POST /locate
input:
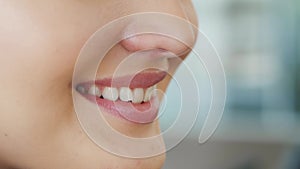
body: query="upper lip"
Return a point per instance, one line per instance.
(144, 79)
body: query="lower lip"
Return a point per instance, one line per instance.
(137, 113)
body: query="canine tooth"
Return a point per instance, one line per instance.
(110, 93)
(149, 93)
(80, 89)
(138, 95)
(125, 94)
(94, 90)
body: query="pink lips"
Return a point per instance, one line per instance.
(144, 112)
(144, 79)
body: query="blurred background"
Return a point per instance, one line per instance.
(259, 45)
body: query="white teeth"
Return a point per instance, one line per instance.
(94, 90)
(138, 95)
(125, 94)
(110, 93)
(149, 92)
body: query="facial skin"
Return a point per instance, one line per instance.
(40, 42)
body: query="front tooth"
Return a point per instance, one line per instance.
(125, 94)
(138, 95)
(148, 94)
(94, 90)
(110, 93)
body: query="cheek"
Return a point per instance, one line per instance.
(36, 68)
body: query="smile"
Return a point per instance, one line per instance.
(132, 98)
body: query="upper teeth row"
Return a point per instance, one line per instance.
(137, 95)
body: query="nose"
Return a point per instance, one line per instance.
(155, 41)
(161, 32)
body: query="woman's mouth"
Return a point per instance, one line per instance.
(132, 98)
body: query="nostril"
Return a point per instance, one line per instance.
(154, 41)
